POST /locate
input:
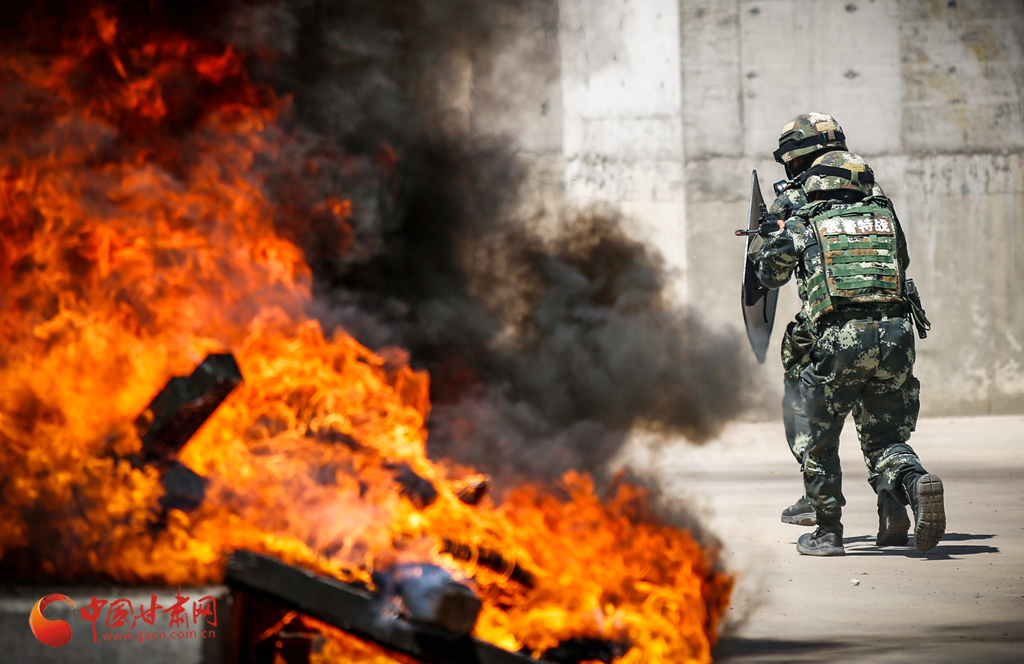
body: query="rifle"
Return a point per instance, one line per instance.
(764, 226)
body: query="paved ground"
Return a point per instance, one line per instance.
(961, 602)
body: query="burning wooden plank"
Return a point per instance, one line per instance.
(360, 613)
(492, 560)
(172, 418)
(185, 403)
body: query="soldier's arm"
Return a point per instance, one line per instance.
(780, 254)
(903, 255)
(784, 204)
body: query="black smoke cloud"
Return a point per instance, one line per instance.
(545, 348)
(547, 340)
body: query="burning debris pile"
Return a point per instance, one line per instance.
(164, 199)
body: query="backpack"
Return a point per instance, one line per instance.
(858, 258)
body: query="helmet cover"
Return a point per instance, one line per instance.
(808, 133)
(838, 170)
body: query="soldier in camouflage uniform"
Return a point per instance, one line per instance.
(804, 139)
(850, 257)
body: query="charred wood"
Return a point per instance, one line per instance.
(288, 647)
(183, 405)
(360, 613)
(474, 489)
(184, 489)
(255, 621)
(417, 489)
(586, 649)
(333, 436)
(492, 560)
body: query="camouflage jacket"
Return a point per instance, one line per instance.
(783, 252)
(789, 201)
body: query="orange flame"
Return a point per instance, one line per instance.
(130, 249)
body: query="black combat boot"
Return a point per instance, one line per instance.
(893, 522)
(799, 513)
(924, 490)
(827, 540)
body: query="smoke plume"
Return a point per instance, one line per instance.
(545, 349)
(547, 341)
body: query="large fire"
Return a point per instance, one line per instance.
(129, 250)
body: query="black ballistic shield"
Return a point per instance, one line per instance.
(758, 302)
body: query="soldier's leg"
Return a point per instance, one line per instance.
(796, 345)
(891, 406)
(831, 386)
(822, 471)
(893, 523)
(842, 360)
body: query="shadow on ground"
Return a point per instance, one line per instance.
(864, 545)
(996, 643)
(772, 650)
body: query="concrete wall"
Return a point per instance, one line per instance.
(663, 107)
(622, 123)
(516, 92)
(931, 93)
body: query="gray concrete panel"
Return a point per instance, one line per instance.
(820, 55)
(619, 60)
(964, 219)
(517, 89)
(622, 132)
(712, 109)
(944, 145)
(963, 67)
(655, 137)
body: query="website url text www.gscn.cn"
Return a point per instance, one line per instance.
(139, 637)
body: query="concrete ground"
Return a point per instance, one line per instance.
(961, 602)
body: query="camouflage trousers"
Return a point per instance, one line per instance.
(863, 366)
(796, 355)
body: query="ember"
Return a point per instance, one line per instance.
(136, 240)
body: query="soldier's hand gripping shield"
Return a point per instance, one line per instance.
(757, 301)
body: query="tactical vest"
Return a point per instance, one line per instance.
(858, 258)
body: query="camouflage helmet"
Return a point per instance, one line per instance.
(838, 170)
(809, 133)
